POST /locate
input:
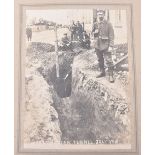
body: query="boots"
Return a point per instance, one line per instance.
(110, 74)
(111, 78)
(102, 74)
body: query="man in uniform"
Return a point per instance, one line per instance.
(65, 42)
(86, 40)
(104, 41)
(73, 31)
(79, 30)
(29, 33)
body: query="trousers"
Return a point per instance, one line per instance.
(104, 59)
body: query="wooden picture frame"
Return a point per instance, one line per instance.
(133, 38)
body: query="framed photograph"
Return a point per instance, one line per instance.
(77, 77)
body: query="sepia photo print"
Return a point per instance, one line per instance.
(77, 78)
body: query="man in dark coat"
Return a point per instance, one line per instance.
(66, 43)
(79, 30)
(29, 33)
(86, 40)
(104, 41)
(73, 31)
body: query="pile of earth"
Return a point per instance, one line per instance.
(41, 123)
(102, 109)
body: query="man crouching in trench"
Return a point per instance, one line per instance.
(104, 41)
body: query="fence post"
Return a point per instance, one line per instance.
(56, 53)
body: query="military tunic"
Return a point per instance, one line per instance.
(104, 35)
(79, 31)
(66, 44)
(73, 32)
(104, 38)
(65, 40)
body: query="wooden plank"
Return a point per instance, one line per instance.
(120, 60)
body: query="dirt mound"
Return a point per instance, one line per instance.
(43, 47)
(41, 123)
(103, 108)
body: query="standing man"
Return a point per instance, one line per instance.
(29, 33)
(79, 30)
(104, 41)
(73, 31)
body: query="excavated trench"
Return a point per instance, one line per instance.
(75, 116)
(84, 117)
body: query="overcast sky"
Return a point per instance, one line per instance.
(62, 16)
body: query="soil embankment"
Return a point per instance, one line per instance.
(95, 110)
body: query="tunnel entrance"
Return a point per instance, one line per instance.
(63, 85)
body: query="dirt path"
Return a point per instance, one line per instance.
(48, 36)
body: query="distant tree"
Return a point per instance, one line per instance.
(41, 20)
(52, 23)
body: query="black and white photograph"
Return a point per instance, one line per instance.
(77, 79)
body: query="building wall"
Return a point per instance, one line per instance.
(36, 28)
(119, 22)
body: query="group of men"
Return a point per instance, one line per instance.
(67, 43)
(76, 30)
(77, 34)
(103, 34)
